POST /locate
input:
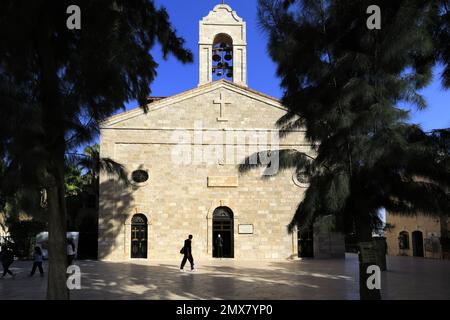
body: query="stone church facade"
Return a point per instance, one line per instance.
(183, 157)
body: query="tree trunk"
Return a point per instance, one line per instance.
(53, 122)
(364, 235)
(57, 287)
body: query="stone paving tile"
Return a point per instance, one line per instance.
(407, 278)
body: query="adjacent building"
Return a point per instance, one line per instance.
(418, 236)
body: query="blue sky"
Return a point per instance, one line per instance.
(174, 77)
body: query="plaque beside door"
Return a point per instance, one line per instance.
(245, 229)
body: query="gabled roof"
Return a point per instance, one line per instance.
(165, 102)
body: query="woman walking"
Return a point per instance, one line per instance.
(37, 262)
(70, 252)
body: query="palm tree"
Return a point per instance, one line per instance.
(93, 165)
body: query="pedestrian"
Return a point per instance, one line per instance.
(7, 258)
(187, 251)
(37, 261)
(70, 252)
(219, 246)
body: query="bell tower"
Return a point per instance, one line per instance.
(222, 46)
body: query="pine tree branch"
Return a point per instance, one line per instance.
(332, 64)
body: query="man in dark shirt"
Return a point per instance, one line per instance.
(219, 246)
(7, 258)
(187, 250)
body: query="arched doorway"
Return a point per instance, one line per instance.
(417, 243)
(305, 240)
(223, 224)
(139, 236)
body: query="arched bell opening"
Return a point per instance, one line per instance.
(222, 57)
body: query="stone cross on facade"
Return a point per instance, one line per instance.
(222, 103)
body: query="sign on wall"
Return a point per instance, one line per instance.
(368, 252)
(245, 229)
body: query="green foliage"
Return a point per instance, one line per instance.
(343, 83)
(57, 84)
(442, 34)
(73, 181)
(95, 71)
(92, 165)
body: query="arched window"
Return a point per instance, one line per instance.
(222, 64)
(223, 213)
(139, 239)
(403, 240)
(139, 219)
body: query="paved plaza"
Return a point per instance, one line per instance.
(407, 278)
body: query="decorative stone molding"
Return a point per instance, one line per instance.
(297, 182)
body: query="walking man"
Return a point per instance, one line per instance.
(219, 246)
(187, 251)
(7, 258)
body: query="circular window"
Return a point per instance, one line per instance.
(139, 176)
(301, 179)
